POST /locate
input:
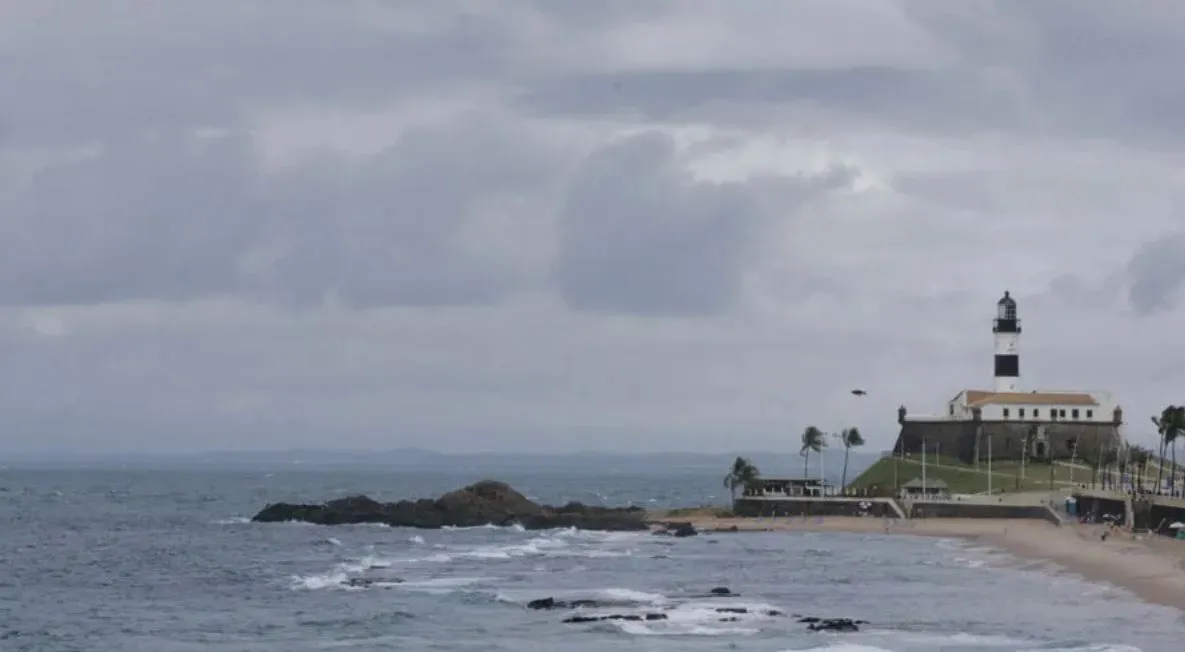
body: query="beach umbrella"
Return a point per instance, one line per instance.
(1177, 526)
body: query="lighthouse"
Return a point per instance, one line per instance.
(1007, 330)
(997, 423)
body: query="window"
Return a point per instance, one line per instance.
(952, 409)
(1089, 414)
(1005, 413)
(1074, 413)
(1036, 413)
(1020, 412)
(1061, 413)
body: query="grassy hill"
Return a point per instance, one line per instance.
(889, 472)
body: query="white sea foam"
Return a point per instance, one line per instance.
(561, 543)
(843, 647)
(611, 594)
(335, 579)
(443, 585)
(703, 618)
(416, 539)
(955, 640)
(1099, 647)
(232, 520)
(516, 527)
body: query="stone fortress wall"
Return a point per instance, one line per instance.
(968, 438)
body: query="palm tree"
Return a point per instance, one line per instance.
(1139, 456)
(742, 475)
(1169, 425)
(813, 439)
(851, 438)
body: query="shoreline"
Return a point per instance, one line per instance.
(1150, 567)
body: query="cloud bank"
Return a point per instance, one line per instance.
(567, 225)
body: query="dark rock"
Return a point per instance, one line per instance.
(581, 603)
(745, 610)
(599, 618)
(721, 590)
(367, 582)
(834, 625)
(543, 603)
(682, 529)
(482, 503)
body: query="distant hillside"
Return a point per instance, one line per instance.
(771, 464)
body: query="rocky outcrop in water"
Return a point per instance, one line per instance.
(369, 582)
(548, 604)
(483, 503)
(832, 624)
(634, 610)
(676, 529)
(633, 617)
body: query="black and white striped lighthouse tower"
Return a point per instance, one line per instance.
(1007, 329)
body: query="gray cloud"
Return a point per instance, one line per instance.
(157, 216)
(178, 216)
(385, 230)
(181, 65)
(1156, 273)
(672, 224)
(641, 236)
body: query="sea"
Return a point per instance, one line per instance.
(166, 560)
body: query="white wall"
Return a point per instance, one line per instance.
(1101, 413)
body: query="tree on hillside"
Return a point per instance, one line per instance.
(814, 440)
(741, 476)
(1026, 444)
(1108, 460)
(851, 438)
(1138, 457)
(1169, 425)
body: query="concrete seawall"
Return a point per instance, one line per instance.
(949, 509)
(837, 506)
(757, 507)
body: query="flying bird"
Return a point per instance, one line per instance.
(859, 392)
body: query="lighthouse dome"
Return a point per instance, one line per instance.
(1006, 307)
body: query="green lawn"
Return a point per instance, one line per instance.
(963, 478)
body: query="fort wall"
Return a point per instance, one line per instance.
(968, 439)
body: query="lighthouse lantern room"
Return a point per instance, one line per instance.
(1007, 329)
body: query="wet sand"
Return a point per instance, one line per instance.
(1153, 568)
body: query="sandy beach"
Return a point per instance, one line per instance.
(1152, 568)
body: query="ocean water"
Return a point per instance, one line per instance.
(166, 561)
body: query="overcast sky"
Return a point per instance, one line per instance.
(571, 224)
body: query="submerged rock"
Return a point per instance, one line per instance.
(832, 624)
(367, 582)
(482, 503)
(548, 604)
(681, 529)
(600, 617)
(746, 610)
